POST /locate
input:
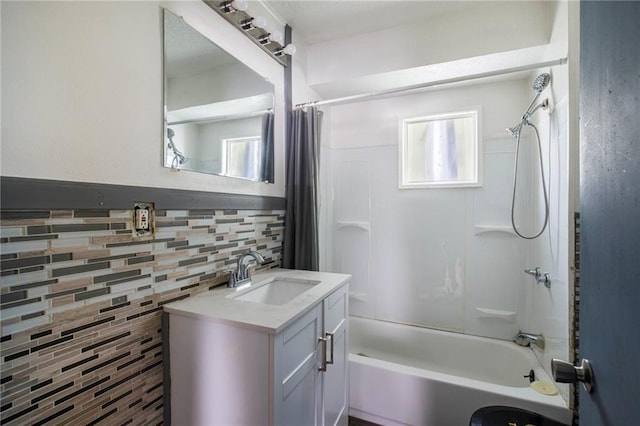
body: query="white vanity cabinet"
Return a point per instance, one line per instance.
(225, 373)
(335, 391)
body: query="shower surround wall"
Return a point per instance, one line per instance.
(445, 258)
(550, 306)
(82, 302)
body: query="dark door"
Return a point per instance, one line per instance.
(610, 210)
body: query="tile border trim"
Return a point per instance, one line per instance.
(43, 194)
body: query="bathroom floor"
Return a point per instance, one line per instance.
(354, 421)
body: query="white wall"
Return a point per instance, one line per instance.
(486, 28)
(421, 256)
(82, 93)
(301, 91)
(550, 306)
(553, 251)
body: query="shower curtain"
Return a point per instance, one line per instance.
(301, 220)
(266, 161)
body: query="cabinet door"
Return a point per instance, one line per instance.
(296, 371)
(336, 378)
(219, 373)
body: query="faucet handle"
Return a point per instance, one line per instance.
(535, 272)
(541, 278)
(233, 278)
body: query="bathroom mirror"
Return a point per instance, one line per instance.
(218, 111)
(440, 151)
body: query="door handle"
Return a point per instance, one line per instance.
(565, 372)
(323, 365)
(330, 336)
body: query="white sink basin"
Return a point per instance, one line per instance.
(275, 291)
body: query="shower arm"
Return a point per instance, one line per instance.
(173, 147)
(544, 105)
(528, 110)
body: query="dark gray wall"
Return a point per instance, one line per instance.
(40, 194)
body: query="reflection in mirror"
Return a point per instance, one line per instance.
(218, 112)
(440, 151)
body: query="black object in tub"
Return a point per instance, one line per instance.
(501, 415)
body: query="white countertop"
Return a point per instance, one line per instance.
(216, 306)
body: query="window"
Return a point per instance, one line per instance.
(241, 157)
(440, 151)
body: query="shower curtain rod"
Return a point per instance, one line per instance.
(356, 98)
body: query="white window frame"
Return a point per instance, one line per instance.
(225, 154)
(476, 181)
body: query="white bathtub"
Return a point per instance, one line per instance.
(404, 375)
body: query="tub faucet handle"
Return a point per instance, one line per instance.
(541, 278)
(533, 272)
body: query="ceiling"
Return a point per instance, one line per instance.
(318, 21)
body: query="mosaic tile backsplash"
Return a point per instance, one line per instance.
(81, 305)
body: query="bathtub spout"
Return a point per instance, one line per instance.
(526, 339)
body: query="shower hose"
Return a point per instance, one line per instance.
(515, 183)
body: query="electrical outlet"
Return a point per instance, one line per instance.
(143, 219)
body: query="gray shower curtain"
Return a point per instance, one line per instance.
(266, 163)
(301, 220)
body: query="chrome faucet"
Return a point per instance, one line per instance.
(242, 273)
(541, 278)
(526, 339)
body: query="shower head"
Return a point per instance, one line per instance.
(178, 157)
(541, 82)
